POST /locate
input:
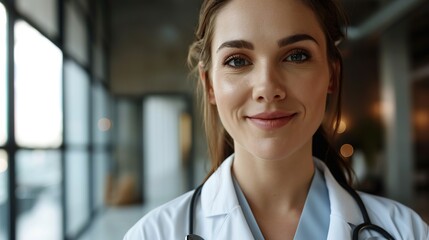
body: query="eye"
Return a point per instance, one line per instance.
(298, 56)
(236, 61)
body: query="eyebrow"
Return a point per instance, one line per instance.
(281, 43)
(236, 44)
(295, 38)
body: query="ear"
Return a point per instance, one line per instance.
(335, 77)
(207, 85)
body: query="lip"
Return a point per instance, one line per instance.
(271, 120)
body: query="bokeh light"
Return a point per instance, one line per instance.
(347, 150)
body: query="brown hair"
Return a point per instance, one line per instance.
(332, 21)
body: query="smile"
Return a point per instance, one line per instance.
(271, 120)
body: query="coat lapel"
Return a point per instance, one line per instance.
(220, 205)
(234, 226)
(344, 210)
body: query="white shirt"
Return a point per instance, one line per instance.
(218, 215)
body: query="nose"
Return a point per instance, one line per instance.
(269, 84)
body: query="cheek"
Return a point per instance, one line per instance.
(313, 92)
(224, 89)
(228, 91)
(230, 98)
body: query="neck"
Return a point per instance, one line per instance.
(280, 185)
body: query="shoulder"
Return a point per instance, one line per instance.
(167, 221)
(401, 220)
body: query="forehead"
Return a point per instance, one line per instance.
(255, 20)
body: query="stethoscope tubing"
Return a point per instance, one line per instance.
(367, 224)
(192, 207)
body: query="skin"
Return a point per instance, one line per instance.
(269, 79)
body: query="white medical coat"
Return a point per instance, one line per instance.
(218, 215)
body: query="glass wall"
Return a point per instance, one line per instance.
(102, 121)
(77, 104)
(3, 126)
(77, 179)
(38, 89)
(99, 65)
(38, 192)
(76, 43)
(99, 59)
(102, 129)
(60, 146)
(3, 195)
(101, 160)
(3, 85)
(42, 12)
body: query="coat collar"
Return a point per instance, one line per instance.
(218, 198)
(343, 204)
(218, 195)
(344, 209)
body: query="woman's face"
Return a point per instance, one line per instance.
(270, 76)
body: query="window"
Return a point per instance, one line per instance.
(3, 85)
(38, 94)
(103, 122)
(102, 128)
(41, 12)
(77, 179)
(98, 46)
(77, 104)
(76, 38)
(101, 163)
(3, 195)
(39, 195)
(99, 64)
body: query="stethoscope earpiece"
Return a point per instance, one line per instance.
(193, 237)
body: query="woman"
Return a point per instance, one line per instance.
(267, 69)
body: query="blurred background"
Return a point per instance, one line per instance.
(99, 123)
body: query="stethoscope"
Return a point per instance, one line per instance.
(366, 225)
